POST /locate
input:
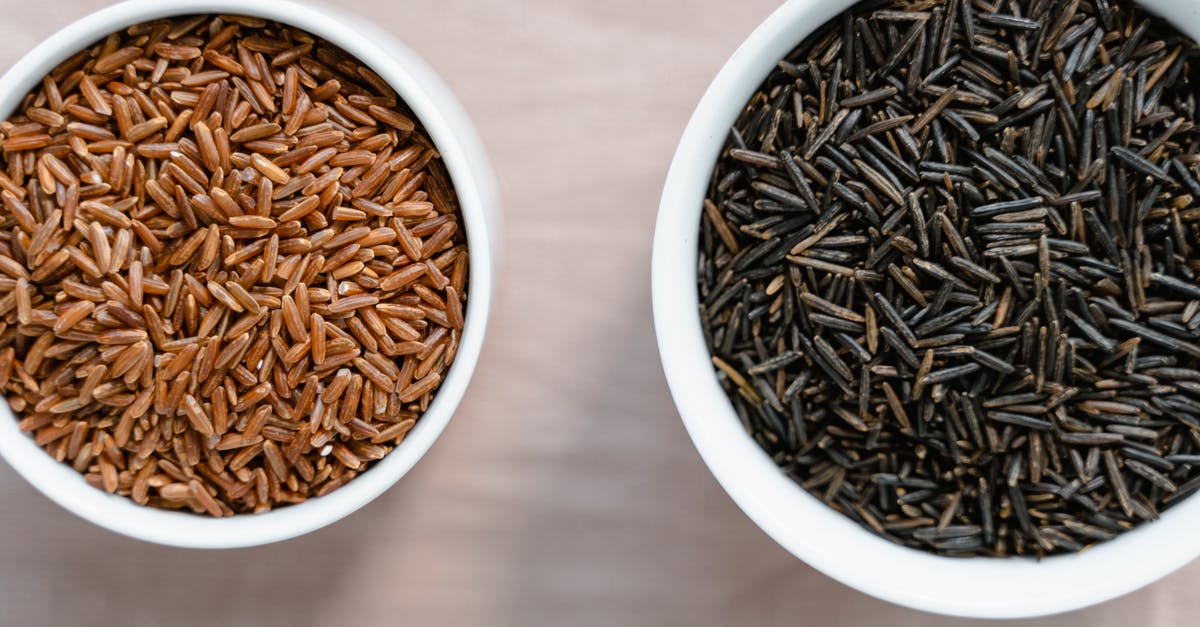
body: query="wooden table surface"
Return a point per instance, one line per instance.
(565, 491)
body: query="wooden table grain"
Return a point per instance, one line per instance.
(565, 491)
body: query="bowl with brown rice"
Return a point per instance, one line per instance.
(238, 243)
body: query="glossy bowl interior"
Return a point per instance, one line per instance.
(825, 539)
(447, 124)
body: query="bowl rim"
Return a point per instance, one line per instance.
(462, 151)
(832, 543)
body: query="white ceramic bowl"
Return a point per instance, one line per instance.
(463, 154)
(827, 540)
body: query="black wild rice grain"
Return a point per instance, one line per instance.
(949, 268)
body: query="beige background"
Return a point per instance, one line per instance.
(565, 491)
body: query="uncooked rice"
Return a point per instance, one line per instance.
(232, 270)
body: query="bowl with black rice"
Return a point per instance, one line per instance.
(925, 290)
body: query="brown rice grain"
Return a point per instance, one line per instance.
(276, 309)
